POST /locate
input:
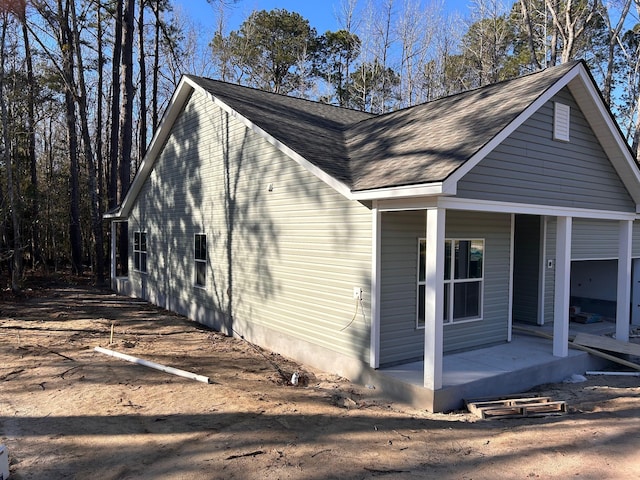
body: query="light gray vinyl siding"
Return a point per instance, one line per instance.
(285, 250)
(400, 340)
(636, 239)
(590, 240)
(530, 167)
(549, 273)
(594, 239)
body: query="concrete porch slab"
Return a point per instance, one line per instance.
(509, 368)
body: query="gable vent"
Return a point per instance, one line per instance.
(561, 122)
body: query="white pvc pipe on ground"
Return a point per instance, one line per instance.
(620, 374)
(150, 364)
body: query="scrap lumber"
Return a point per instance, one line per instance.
(613, 374)
(590, 350)
(606, 356)
(517, 407)
(607, 343)
(531, 331)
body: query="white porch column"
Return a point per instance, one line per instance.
(562, 288)
(376, 255)
(625, 237)
(113, 255)
(433, 298)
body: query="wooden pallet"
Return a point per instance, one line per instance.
(516, 407)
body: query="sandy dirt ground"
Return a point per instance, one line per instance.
(69, 412)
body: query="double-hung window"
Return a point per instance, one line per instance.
(200, 258)
(463, 280)
(140, 251)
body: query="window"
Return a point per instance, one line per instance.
(140, 251)
(200, 257)
(463, 280)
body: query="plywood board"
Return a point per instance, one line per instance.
(607, 343)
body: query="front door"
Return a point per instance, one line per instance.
(526, 269)
(635, 292)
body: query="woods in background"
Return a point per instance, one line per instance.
(83, 84)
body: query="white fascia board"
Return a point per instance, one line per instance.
(621, 157)
(404, 204)
(116, 215)
(409, 191)
(303, 162)
(180, 96)
(509, 129)
(531, 209)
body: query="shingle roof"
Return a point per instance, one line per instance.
(312, 129)
(416, 145)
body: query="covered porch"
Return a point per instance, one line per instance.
(524, 363)
(519, 362)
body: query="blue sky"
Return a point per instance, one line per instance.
(321, 14)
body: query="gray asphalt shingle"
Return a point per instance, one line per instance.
(417, 145)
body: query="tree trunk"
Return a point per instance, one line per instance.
(112, 190)
(142, 142)
(126, 105)
(100, 127)
(67, 47)
(614, 38)
(126, 117)
(36, 255)
(156, 66)
(16, 270)
(526, 17)
(96, 213)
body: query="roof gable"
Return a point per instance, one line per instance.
(313, 130)
(421, 150)
(531, 166)
(428, 142)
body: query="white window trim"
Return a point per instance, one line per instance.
(196, 261)
(146, 252)
(452, 282)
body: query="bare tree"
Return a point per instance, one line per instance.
(142, 127)
(486, 42)
(527, 17)
(614, 40)
(16, 253)
(31, 132)
(570, 20)
(112, 189)
(96, 206)
(415, 29)
(125, 141)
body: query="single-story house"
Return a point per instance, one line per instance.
(351, 241)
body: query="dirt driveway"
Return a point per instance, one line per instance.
(67, 411)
